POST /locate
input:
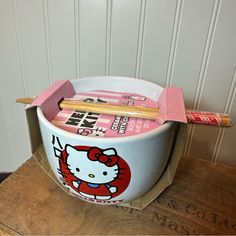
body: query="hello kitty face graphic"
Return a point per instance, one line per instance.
(93, 166)
(94, 173)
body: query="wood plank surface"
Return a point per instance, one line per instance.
(200, 201)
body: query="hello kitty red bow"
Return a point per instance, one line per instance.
(96, 154)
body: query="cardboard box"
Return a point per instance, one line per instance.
(164, 181)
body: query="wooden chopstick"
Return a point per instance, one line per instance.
(104, 108)
(194, 117)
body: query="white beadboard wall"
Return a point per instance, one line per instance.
(185, 43)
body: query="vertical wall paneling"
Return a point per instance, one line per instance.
(92, 25)
(18, 43)
(14, 143)
(159, 21)
(4, 144)
(60, 28)
(32, 35)
(124, 36)
(225, 148)
(139, 54)
(202, 74)
(174, 41)
(215, 98)
(189, 50)
(47, 40)
(108, 37)
(192, 36)
(76, 38)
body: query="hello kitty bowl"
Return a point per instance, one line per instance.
(114, 159)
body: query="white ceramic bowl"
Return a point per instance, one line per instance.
(124, 167)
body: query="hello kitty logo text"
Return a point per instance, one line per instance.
(95, 174)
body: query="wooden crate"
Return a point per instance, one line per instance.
(202, 200)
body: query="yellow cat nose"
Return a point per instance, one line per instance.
(91, 175)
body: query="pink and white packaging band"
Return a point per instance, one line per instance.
(48, 100)
(207, 118)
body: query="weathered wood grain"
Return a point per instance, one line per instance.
(200, 201)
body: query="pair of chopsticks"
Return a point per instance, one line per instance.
(138, 111)
(104, 108)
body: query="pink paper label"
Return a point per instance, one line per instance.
(100, 125)
(207, 118)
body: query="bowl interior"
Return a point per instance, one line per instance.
(118, 84)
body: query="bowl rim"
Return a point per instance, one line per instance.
(144, 135)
